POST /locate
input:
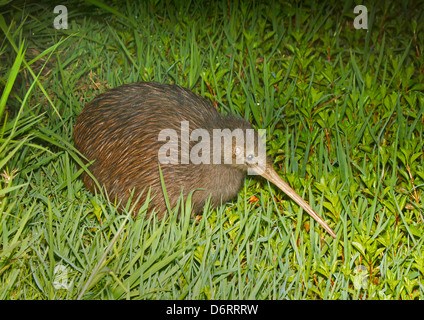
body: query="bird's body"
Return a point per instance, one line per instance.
(121, 130)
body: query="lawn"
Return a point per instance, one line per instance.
(343, 109)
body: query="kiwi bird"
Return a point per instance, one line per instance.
(131, 130)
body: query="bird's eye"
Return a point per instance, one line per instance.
(249, 157)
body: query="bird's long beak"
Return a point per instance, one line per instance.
(272, 176)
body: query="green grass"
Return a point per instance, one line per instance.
(344, 113)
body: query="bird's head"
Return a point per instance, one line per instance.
(248, 153)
